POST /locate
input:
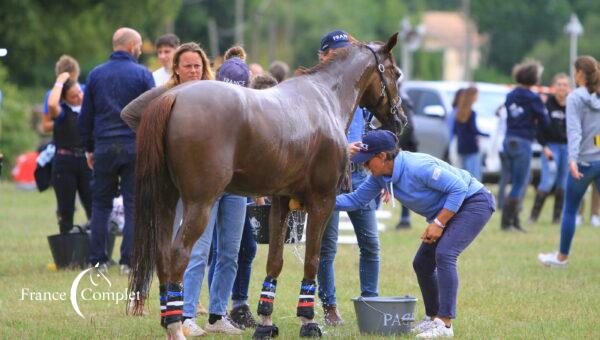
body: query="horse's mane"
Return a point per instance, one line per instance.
(337, 54)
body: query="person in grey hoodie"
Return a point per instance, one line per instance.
(583, 136)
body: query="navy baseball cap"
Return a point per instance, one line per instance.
(334, 39)
(234, 71)
(375, 142)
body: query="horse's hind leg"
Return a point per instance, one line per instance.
(318, 211)
(194, 222)
(164, 237)
(277, 231)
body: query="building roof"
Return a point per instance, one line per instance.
(448, 29)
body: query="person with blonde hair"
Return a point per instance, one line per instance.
(189, 63)
(583, 139)
(466, 131)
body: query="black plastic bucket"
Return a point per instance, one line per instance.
(70, 250)
(259, 220)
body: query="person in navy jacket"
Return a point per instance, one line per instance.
(109, 143)
(525, 111)
(455, 204)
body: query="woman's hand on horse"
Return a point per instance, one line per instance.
(432, 233)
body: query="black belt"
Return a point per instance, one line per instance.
(71, 152)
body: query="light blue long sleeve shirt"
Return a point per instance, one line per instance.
(422, 183)
(357, 126)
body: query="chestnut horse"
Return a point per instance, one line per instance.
(204, 138)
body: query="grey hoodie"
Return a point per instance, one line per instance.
(583, 124)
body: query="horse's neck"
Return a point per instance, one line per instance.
(344, 85)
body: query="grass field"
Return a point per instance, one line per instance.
(504, 292)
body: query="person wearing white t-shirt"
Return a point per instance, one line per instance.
(165, 47)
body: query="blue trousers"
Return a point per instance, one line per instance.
(435, 264)
(227, 221)
(246, 255)
(555, 171)
(365, 227)
(518, 156)
(472, 163)
(573, 196)
(114, 170)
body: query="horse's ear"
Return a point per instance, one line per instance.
(390, 44)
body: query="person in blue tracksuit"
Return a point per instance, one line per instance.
(109, 143)
(455, 204)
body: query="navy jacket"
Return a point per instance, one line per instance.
(556, 131)
(525, 111)
(109, 88)
(466, 135)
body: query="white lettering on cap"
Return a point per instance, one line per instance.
(340, 37)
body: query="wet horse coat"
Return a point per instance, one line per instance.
(204, 138)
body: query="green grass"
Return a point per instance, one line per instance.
(504, 292)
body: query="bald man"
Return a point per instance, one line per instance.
(109, 142)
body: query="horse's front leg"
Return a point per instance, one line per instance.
(277, 232)
(318, 211)
(194, 222)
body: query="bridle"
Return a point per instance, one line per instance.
(395, 104)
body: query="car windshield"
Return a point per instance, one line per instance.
(487, 103)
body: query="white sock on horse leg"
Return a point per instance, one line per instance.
(266, 320)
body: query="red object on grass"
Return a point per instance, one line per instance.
(23, 171)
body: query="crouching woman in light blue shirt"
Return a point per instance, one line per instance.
(456, 206)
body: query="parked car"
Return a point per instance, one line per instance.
(432, 101)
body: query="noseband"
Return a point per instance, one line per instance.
(385, 92)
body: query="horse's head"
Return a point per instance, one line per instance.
(382, 92)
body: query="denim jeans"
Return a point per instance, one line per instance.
(472, 163)
(114, 169)
(246, 255)
(555, 171)
(518, 155)
(227, 221)
(574, 194)
(365, 227)
(504, 180)
(435, 263)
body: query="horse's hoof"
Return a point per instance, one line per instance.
(310, 330)
(265, 332)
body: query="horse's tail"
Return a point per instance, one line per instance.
(153, 186)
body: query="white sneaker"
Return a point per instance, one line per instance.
(424, 325)
(595, 221)
(190, 328)
(223, 326)
(438, 330)
(578, 220)
(551, 260)
(125, 270)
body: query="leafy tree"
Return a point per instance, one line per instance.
(37, 32)
(514, 26)
(16, 134)
(554, 55)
